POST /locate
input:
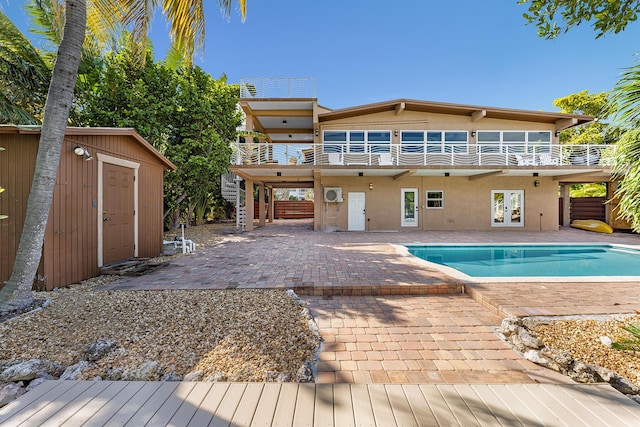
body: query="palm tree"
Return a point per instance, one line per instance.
(186, 18)
(625, 99)
(25, 73)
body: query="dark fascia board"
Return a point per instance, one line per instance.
(89, 131)
(454, 109)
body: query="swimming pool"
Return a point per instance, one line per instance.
(512, 261)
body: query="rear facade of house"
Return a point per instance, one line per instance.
(410, 165)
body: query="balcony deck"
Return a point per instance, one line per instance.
(285, 155)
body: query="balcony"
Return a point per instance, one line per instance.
(386, 155)
(278, 88)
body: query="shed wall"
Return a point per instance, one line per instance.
(70, 246)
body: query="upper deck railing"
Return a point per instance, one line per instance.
(421, 155)
(278, 88)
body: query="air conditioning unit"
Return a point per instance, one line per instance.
(333, 194)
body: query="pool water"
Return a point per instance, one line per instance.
(534, 260)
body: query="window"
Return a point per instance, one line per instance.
(455, 142)
(334, 141)
(356, 141)
(435, 199)
(513, 141)
(379, 141)
(538, 142)
(412, 141)
(447, 141)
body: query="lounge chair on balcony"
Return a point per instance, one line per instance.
(385, 159)
(334, 158)
(525, 161)
(547, 160)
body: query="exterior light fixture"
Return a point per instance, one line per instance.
(81, 151)
(395, 132)
(317, 132)
(278, 173)
(284, 123)
(536, 183)
(360, 173)
(371, 186)
(557, 133)
(473, 133)
(446, 174)
(535, 174)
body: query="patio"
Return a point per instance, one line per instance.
(391, 349)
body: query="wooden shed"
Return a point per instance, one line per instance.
(107, 203)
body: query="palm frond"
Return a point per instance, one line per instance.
(625, 97)
(632, 344)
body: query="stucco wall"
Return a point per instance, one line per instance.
(467, 203)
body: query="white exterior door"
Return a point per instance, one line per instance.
(409, 206)
(357, 215)
(507, 208)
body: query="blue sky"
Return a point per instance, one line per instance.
(359, 52)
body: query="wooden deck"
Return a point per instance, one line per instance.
(106, 403)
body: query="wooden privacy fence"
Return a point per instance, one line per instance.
(289, 209)
(585, 208)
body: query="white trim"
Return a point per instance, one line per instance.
(507, 206)
(427, 199)
(105, 158)
(403, 218)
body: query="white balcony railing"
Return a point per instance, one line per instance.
(422, 155)
(278, 88)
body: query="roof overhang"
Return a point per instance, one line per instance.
(93, 131)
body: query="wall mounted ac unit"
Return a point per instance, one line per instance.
(333, 194)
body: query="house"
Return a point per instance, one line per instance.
(411, 165)
(107, 203)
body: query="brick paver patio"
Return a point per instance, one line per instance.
(371, 303)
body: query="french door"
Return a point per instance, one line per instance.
(409, 206)
(507, 208)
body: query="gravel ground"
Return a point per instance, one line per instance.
(247, 335)
(582, 338)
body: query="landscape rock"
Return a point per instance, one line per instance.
(538, 358)
(99, 349)
(74, 371)
(194, 376)
(148, 371)
(10, 392)
(171, 376)
(29, 370)
(305, 374)
(509, 326)
(528, 340)
(216, 377)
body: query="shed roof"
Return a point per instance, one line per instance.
(87, 131)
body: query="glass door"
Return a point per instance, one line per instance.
(507, 208)
(409, 206)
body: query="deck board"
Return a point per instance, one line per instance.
(106, 403)
(362, 410)
(400, 405)
(323, 407)
(419, 406)
(247, 407)
(266, 407)
(209, 405)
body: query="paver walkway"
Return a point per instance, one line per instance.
(385, 338)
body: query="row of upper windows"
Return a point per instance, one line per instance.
(436, 141)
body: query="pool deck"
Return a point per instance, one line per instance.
(393, 353)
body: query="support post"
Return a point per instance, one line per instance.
(271, 204)
(565, 192)
(261, 205)
(248, 185)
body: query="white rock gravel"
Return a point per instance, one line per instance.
(241, 335)
(581, 338)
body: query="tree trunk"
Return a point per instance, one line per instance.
(17, 292)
